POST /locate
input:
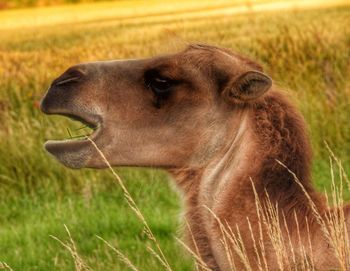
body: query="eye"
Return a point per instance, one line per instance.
(160, 85)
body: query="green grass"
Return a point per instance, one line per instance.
(28, 222)
(305, 51)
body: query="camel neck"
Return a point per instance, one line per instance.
(271, 133)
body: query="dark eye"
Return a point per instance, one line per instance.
(160, 85)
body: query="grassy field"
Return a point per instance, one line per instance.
(304, 48)
(8, 4)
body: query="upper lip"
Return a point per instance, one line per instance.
(78, 113)
(91, 121)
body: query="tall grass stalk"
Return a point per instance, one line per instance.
(159, 255)
(121, 255)
(79, 263)
(5, 266)
(332, 223)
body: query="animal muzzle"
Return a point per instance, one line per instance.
(68, 96)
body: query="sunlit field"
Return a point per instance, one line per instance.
(303, 45)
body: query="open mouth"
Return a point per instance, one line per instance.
(88, 129)
(76, 149)
(83, 132)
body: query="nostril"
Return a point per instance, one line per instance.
(70, 76)
(65, 81)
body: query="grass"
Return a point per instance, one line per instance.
(26, 242)
(306, 51)
(6, 4)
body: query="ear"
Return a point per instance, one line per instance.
(247, 87)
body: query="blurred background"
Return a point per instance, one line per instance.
(303, 45)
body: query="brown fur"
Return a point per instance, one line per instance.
(207, 135)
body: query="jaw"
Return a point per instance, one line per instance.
(72, 153)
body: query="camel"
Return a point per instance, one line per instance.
(220, 126)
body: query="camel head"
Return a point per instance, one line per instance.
(168, 111)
